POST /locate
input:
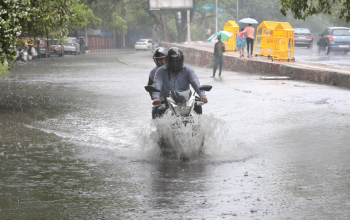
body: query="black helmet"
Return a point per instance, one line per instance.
(174, 59)
(160, 52)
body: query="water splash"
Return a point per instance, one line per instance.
(171, 137)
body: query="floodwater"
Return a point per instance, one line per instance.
(77, 142)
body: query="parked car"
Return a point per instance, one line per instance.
(303, 37)
(56, 47)
(334, 39)
(143, 44)
(72, 45)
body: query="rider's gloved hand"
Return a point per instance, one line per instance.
(157, 101)
(204, 99)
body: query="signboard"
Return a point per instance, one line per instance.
(208, 8)
(170, 4)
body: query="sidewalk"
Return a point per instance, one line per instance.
(201, 55)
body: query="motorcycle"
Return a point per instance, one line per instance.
(180, 133)
(22, 55)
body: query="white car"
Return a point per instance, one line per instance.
(72, 45)
(143, 44)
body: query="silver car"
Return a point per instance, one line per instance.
(72, 46)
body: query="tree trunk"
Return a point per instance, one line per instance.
(162, 24)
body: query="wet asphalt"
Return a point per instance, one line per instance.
(77, 142)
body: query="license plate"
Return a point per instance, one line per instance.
(343, 45)
(302, 37)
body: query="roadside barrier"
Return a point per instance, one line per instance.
(232, 27)
(276, 41)
(265, 34)
(283, 36)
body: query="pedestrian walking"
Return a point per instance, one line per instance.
(239, 48)
(208, 33)
(37, 42)
(82, 45)
(250, 38)
(219, 50)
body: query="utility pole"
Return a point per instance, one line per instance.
(153, 36)
(237, 10)
(188, 27)
(179, 25)
(216, 16)
(86, 37)
(164, 25)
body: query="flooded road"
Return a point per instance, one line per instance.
(78, 142)
(340, 60)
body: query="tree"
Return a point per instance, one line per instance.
(303, 9)
(13, 13)
(111, 13)
(54, 17)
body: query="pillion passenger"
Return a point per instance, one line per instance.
(176, 76)
(159, 56)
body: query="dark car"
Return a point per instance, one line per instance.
(303, 37)
(334, 39)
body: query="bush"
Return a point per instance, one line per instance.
(4, 68)
(198, 32)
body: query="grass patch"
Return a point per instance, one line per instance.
(4, 68)
(209, 65)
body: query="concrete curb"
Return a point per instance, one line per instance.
(107, 50)
(204, 58)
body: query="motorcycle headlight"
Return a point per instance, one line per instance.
(183, 110)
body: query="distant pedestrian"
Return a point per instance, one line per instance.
(38, 48)
(82, 45)
(250, 38)
(208, 33)
(219, 50)
(239, 48)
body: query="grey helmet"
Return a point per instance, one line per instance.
(160, 52)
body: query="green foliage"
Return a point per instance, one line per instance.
(111, 13)
(3, 69)
(54, 17)
(85, 16)
(303, 9)
(38, 18)
(13, 13)
(137, 15)
(198, 32)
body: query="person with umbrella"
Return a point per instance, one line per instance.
(250, 33)
(250, 38)
(82, 45)
(219, 49)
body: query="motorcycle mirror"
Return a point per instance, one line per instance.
(205, 88)
(151, 89)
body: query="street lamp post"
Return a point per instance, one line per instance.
(216, 16)
(180, 28)
(188, 27)
(237, 10)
